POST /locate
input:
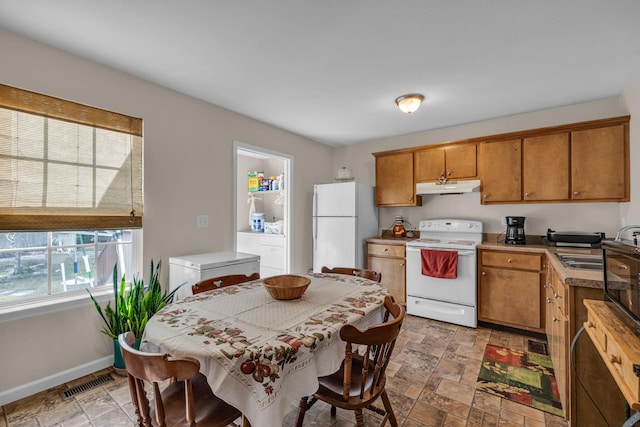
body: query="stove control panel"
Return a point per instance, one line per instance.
(451, 225)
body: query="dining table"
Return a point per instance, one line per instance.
(261, 354)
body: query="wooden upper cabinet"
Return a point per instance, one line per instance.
(455, 162)
(545, 167)
(578, 162)
(429, 164)
(501, 171)
(599, 164)
(394, 180)
(461, 161)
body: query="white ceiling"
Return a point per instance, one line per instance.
(331, 69)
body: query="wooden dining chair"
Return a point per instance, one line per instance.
(361, 379)
(222, 281)
(186, 401)
(361, 272)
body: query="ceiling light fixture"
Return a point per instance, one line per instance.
(410, 102)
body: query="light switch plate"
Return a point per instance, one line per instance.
(202, 221)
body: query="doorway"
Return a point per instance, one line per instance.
(263, 217)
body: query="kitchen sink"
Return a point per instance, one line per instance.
(581, 261)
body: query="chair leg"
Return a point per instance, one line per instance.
(387, 406)
(333, 411)
(302, 409)
(359, 418)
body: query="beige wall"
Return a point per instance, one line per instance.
(630, 212)
(603, 217)
(188, 172)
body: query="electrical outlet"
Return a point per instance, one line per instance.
(202, 221)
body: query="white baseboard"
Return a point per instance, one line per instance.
(42, 384)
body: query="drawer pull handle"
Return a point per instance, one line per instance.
(549, 300)
(509, 260)
(615, 359)
(555, 319)
(555, 295)
(589, 324)
(484, 273)
(575, 193)
(624, 267)
(386, 249)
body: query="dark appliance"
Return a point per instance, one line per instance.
(574, 239)
(515, 231)
(622, 266)
(598, 400)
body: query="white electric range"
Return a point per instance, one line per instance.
(447, 300)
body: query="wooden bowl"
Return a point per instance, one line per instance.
(286, 287)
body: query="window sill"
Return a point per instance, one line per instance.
(52, 305)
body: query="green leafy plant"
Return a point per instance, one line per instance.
(133, 306)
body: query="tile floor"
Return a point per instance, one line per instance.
(431, 383)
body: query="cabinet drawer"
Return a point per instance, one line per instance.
(377, 249)
(618, 346)
(596, 332)
(272, 256)
(512, 260)
(621, 363)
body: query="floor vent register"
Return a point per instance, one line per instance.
(103, 379)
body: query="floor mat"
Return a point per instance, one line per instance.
(523, 377)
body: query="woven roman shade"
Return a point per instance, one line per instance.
(67, 166)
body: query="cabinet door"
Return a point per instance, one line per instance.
(461, 162)
(598, 164)
(394, 180)
(510, 297)
(429, 164)
(501, 171)
(545, 167)
(393, 275)
(455, 162)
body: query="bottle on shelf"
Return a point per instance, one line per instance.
(253, 181)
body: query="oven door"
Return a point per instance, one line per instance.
(461, 290)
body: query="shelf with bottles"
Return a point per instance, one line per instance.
(259, 182)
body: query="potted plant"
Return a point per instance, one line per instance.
(133, 307)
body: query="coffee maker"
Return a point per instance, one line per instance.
(515, 230)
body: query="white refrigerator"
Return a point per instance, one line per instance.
(344, 214)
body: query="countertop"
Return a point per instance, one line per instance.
(535, 244)
(570, 276)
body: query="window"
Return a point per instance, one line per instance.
(70, 196)
(35, 265)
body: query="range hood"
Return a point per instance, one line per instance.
(451, 187)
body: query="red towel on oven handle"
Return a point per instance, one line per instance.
(441, 264)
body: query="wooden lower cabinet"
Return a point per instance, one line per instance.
(510, 286)
(389, 260)
(588, 393)
(557, 329)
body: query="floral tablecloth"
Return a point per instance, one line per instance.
(260, 354)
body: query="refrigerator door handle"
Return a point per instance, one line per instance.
(315, 233)
(315, 203)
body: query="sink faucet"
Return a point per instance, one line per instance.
(623, 229)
